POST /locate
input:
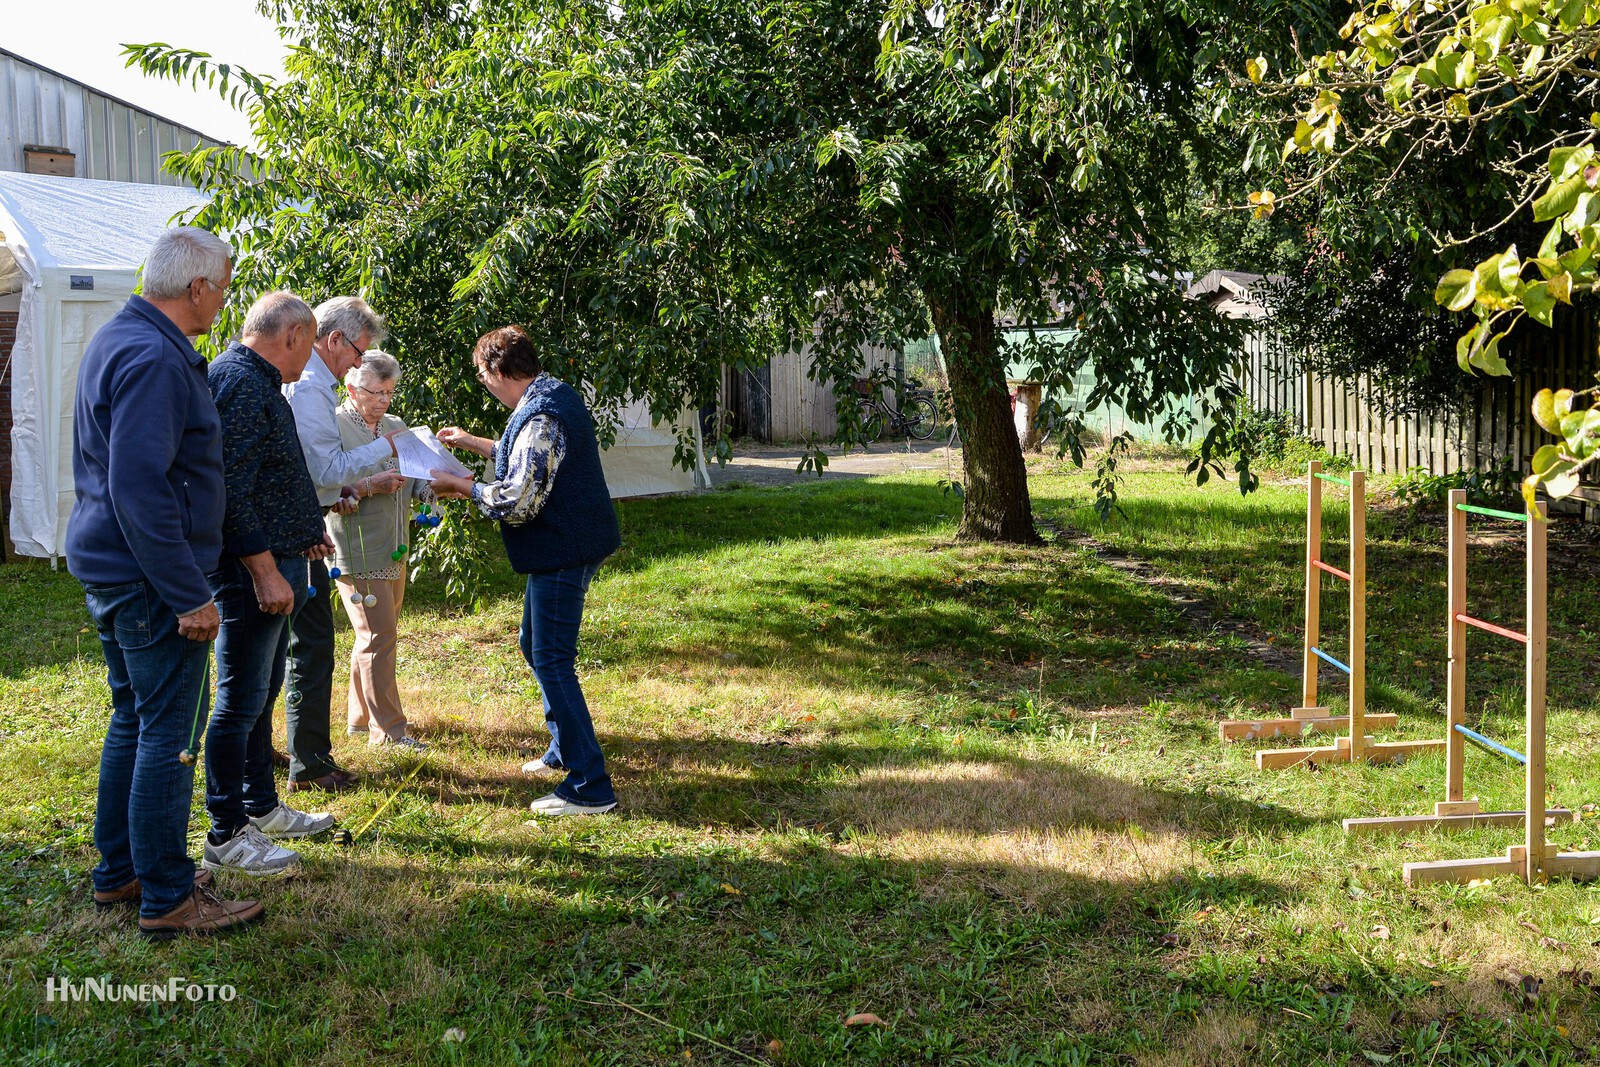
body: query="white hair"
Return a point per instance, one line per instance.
(181, 255)
(376, 365)
(351, 316)
(274, 313)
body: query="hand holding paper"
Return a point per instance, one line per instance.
(420, 454)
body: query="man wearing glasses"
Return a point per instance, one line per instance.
(346, 328)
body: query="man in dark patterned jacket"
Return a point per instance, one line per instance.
(271, 529)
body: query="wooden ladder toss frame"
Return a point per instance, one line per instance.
(1534, 860)
(1310, 717)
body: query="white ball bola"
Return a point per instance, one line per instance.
(355, 598)
(370, 601)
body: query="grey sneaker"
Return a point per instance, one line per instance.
(355, 731)
(249, 852)
(408, 744)
(284, 821)
(555, 806)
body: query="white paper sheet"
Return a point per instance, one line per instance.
(420, 454)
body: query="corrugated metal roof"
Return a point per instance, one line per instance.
(112, 139)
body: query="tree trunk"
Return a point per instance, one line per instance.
(996, 506)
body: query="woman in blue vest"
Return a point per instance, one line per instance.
(550, 497)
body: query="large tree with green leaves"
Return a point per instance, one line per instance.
(656, 190)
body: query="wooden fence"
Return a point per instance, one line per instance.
(1496, 424)
(781, 402)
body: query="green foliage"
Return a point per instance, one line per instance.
(1458, 84)
(1489, 486)
(1270, 439)
(658, 190)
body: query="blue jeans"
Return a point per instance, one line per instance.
(159, 695)
(552, 611)
(251, 651)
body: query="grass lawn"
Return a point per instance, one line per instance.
(974, 792)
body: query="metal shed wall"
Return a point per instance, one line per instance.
(112, 139)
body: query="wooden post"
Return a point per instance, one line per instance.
(1308, 675)
(1535, 623)
(1456, 677)
(1358, 613)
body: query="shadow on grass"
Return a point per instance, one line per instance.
(1260, 545)
(892, 789)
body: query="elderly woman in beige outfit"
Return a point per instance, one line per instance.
(372, 566)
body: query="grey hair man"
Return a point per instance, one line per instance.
(346, 328)
(146, 530)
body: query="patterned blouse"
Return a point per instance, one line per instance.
(535, 455)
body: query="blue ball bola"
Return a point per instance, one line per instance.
(334, 572)
(311, 590)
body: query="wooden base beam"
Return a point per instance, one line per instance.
(1405, 823)
(1278, 759)
(1580, 866)
(1310, 713)
(1259, 729)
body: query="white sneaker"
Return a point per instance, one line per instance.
(284, 821)
(411, 744)
(540, 769)
(249, 852)
(554, 806)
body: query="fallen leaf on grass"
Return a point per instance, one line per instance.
(454, 1036)
(774, 1046)
(1380, 932)
(864, 1018)
(1552, 943)
(731, 891)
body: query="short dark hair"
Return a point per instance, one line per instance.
(507, 352)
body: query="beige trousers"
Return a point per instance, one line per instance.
(374, 694)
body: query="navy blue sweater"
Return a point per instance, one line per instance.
(578, 524)
(271, 501)
(146, 462)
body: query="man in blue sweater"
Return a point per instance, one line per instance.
(146, 529)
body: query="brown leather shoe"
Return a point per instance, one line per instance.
(279, 760)
(335, 781)
(203, 911)
(105, 900)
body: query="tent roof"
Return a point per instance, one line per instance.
(82, 223)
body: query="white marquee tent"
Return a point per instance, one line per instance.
(74, 247)
(77, 244)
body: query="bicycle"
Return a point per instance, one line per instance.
(917, 417)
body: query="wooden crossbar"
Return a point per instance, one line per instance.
(1492, 628)
(1331, 569)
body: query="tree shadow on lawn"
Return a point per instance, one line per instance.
(1406, 589)
(783, 945)
(889, 789)
(1103, 638)
(496, 946)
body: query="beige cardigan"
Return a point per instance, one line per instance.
(365, 541)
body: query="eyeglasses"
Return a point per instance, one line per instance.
(361, 353)
(482, 374)
(387, 394)
(215, 288)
